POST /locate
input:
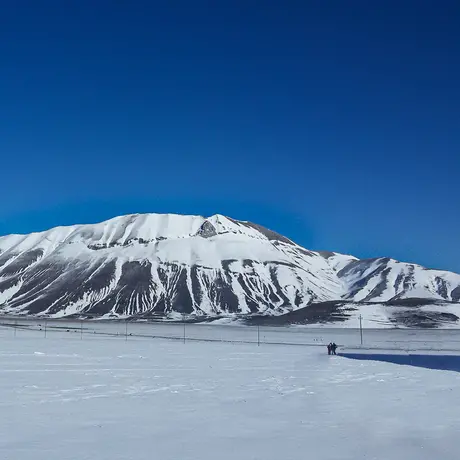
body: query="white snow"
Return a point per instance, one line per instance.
(111, 399)
(10, 292)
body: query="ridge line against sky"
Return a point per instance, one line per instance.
(334, 124)
(208, 216)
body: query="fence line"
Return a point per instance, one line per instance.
(369, 339)
(189, 332)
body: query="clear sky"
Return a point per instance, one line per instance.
(336, 123)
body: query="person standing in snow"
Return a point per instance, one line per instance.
(329, 348)
(333, 348)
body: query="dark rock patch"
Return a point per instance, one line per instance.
(207, 230)
(326, 254)
(5, 257)
(222, 295)
(181, 300)
(22, 262)
(270, 234)
(441, 287)
(362, 282)
(8, 284)
(196, 286)
(423, 319)
(381, 286)
(455, 294)
(411, 302)
(321, 312)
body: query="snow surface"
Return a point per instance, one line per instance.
(111, 399)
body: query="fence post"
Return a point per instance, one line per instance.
(81, 329)
(15, 326)
(183, 320)
(45, 328)
(258, 335)
(126, 330)
(361, 328)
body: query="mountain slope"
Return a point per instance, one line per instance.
(165, 264)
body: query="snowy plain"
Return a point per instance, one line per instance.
(93, 396)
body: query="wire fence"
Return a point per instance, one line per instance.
(181, 331)
(349, 338)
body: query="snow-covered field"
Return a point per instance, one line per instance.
(106, 398)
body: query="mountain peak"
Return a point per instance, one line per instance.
(155, 264)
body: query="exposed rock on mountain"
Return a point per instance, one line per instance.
(142, 265)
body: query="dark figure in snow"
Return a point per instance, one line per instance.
(334, 348)
(329, 348)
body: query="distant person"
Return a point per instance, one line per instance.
(333, 348)
(329, 348)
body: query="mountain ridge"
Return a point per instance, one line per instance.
(166, 264)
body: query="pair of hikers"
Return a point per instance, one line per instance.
(331, 349)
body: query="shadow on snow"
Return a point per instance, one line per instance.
(428, 361)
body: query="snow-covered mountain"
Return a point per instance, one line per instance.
(152, 264)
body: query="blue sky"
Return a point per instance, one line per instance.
(335, 123)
